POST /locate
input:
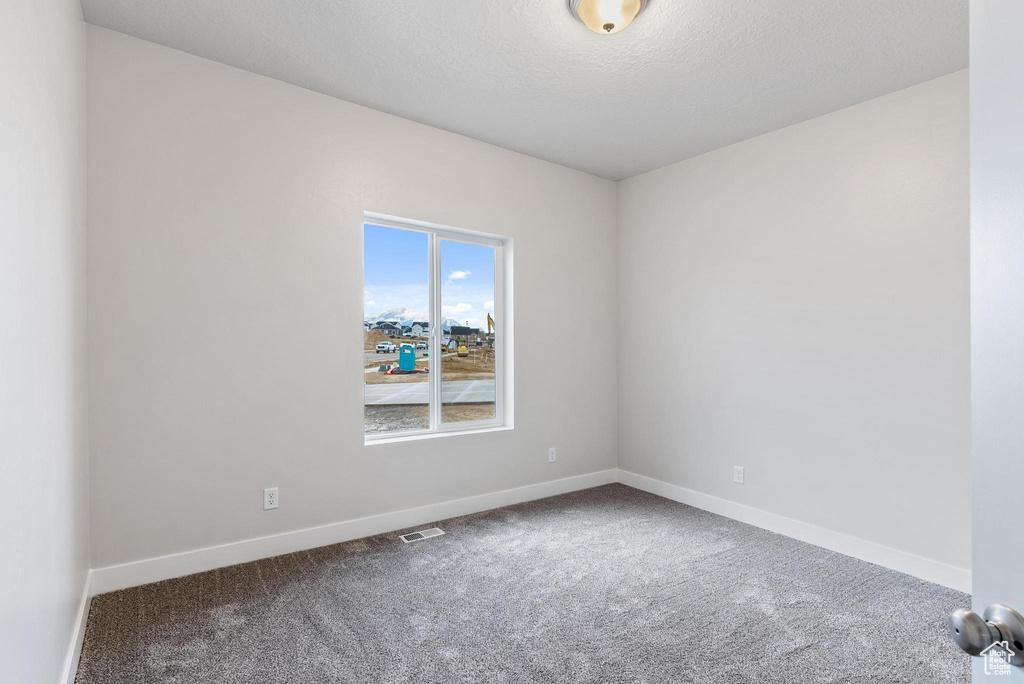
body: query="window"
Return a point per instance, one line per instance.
(432, 329)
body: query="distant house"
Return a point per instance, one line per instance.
(389, 329)
(367, 326)
(463, 334)
(420, 329)
(407, 331)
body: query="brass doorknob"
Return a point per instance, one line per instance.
(1001, 625)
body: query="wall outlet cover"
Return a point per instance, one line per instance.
(270, 498)
(737, 474)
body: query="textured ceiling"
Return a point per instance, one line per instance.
(687, 77)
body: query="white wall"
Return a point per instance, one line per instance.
(43, 412)
(225, 298)
(809, 289)
(997, 305)
(798, 304)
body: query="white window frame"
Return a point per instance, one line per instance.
(436, 233)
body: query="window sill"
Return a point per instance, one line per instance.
(433, 435)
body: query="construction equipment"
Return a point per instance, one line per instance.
(490, 324)
(462, 351)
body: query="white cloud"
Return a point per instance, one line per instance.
(459, 275)
(384, 297)
(489, 305)
(459, 308)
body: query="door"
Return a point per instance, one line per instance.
(997, 307)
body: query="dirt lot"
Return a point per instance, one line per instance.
(375, 378)
(403, 418)
(395, 418)
(372, 337)
(455, 413)
(477, 366)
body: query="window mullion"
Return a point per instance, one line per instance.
(436, 333)
(499, 334)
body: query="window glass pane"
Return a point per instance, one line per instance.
(467, 305)
(395, 330)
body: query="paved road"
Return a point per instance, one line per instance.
(452, 392)
(374, 357)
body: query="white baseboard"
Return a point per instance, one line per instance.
(112, 578)
(133, 574)
(872, 552)
(78, 634)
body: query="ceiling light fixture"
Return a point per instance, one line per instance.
(606, 16)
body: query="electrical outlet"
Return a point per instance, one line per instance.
(270, 499)
(551, 455)
(737, 474)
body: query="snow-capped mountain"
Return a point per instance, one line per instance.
(399, 315)
(405, 317)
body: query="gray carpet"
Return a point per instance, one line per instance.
(605, 585)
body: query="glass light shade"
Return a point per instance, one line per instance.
(606, 16)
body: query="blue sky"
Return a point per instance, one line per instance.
(395, 275)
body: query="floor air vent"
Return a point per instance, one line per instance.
(422, 534)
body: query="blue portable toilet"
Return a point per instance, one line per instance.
(407, 358)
